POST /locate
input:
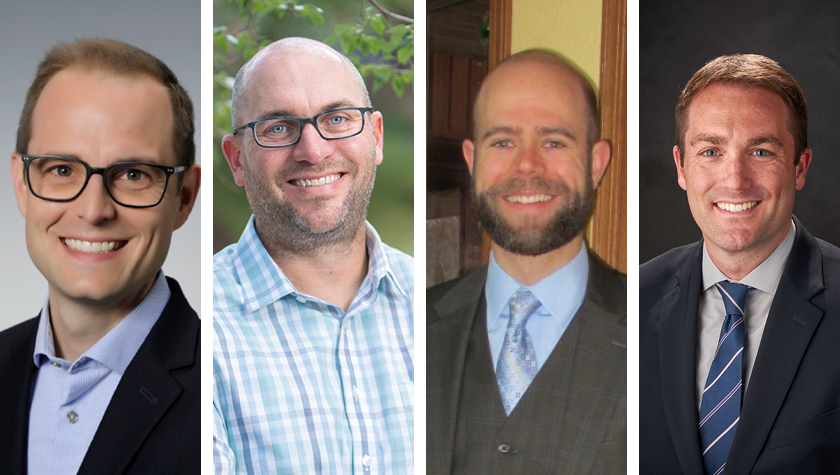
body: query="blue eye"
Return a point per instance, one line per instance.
(278, 129)
(554, 144)
(336, 120)
(761, 153)
(709, 153)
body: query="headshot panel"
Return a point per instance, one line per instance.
(738, 329)
(313, 305)
(526, 322)
(106, 377)
(671, 51)
(171, 34)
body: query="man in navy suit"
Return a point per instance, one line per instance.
(741, 154)
(106, 378)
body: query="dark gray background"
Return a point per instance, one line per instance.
(676, 39)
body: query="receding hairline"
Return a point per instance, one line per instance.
(242, 82)
(551, 59)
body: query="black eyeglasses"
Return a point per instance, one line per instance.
(130, 184)
(277, 132)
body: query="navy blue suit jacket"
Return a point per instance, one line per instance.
(153, 422)
(790, 415)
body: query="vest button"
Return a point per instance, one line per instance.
(504, 448)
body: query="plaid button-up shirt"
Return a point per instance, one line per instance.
(300, 386)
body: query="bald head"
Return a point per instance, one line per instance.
(535, 67)
(290, 57)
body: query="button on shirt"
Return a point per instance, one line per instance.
(764, 280)
(300, 386)
(69, 398)
(560, 294)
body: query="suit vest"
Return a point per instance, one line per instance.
(529, 440)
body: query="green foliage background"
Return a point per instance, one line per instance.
(382, 47)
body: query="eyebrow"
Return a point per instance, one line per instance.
(718, 140)
(506, 129)
(148, 160)
(287, 113)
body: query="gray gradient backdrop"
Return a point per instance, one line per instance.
(168, 29)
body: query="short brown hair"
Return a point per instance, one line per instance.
(750, 70)
(552, 58)
(119, 58)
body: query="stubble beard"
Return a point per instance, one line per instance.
(528, 237)
(285, 229)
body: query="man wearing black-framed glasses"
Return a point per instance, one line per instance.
(112, 361)
(313, 313)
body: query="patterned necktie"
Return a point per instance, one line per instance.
(517, 364)
(720, 408)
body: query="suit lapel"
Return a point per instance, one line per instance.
(678, 362)
(17, 371)
(790, 326)
(457, 310)
(147, 389)
(597, 347)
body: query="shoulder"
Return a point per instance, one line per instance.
(657, 272)
(401, 266)
(12, 338)
(460, 292)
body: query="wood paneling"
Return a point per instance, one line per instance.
(608, 231)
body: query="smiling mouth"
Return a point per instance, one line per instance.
(97, 247)
(324, 180)
(527, 199)
(735, 208)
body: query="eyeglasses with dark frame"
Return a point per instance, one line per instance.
(130, 184)
(279, 132)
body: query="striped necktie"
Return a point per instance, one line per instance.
(517, 364)
(720, 408)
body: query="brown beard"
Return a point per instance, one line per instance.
(566, 223)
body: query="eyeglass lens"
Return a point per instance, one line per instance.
(132, 184)
(332, 125)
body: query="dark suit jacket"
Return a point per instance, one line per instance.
(153, 421)
(790, 415)
(451, 309)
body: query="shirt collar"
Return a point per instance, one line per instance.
(765, 277)
(117, 348)
(560, 293)
(263, 282)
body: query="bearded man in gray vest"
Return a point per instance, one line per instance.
(527, 357)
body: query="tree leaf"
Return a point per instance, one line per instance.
(398, 85)
(405, 53)
(378, 23)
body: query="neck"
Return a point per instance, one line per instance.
(738, 264)
(528, 270)
(332, 273)
(77, 324)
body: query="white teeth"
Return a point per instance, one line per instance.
(528, 198)
(98, 247)
(734, 208)
(318, 182)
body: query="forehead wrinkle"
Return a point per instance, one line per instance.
(289, 113)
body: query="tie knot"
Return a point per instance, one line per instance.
(522, 304)
(734, 296)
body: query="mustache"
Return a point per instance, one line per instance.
(535, 184)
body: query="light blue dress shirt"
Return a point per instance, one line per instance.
(300, 386)
(560, 295)
(69, 398)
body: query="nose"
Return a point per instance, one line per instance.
(311, 147)
(95, 205)
(737, 173)
(529, 161)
